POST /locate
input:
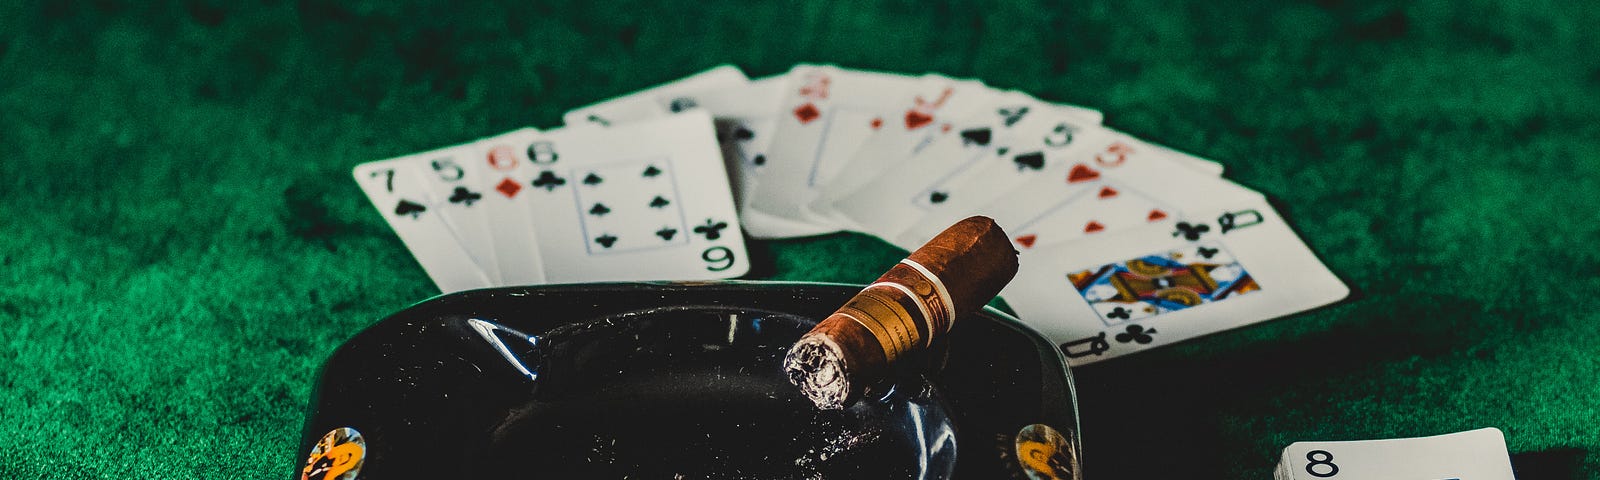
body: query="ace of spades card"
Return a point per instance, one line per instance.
(397, 190)
(825, 117)
(1102, 297)
(647, 200)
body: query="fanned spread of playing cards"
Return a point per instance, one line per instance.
(1125, 245)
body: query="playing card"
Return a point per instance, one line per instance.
(1214, 269)
(829, 112)
(1209, 167)
(746, 124)
(654, 101)
(403, 200)
(883, 152)
(453, 180)
(641, 201)
(1100, 183)
(1471, 455)
(511, 170)
(992, 152)
(746, 116)
(1090, 208)
(1120, 183)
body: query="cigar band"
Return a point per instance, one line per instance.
(885, 310)
(944, 294)
(919, 302)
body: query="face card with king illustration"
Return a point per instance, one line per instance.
(1105, 296)
(643, 201)
(828, 113)
(397, 190)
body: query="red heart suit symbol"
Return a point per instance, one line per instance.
(1082, 173)
(916, 119)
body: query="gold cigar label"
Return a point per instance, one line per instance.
(906, 309)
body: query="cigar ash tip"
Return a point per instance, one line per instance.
(816, 365)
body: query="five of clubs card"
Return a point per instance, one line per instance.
(1125, 245)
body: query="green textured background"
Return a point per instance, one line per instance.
(182, 244)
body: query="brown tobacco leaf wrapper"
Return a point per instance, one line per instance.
(904, 310)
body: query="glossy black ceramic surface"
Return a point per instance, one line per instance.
(676, 381)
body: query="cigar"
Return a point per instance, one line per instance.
(915, 302)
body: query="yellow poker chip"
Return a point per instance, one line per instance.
(337, 456)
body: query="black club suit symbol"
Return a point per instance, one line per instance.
(1120, 313)
(548, 181)
(1191, 231)
(464, 197)
(1136, 333)
(712, 229)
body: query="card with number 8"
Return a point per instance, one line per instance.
(1471, 455)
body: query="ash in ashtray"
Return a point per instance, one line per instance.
(845, 442)
(649, 399)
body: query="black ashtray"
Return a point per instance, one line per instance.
(674, 381)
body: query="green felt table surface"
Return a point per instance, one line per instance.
(183, 245)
